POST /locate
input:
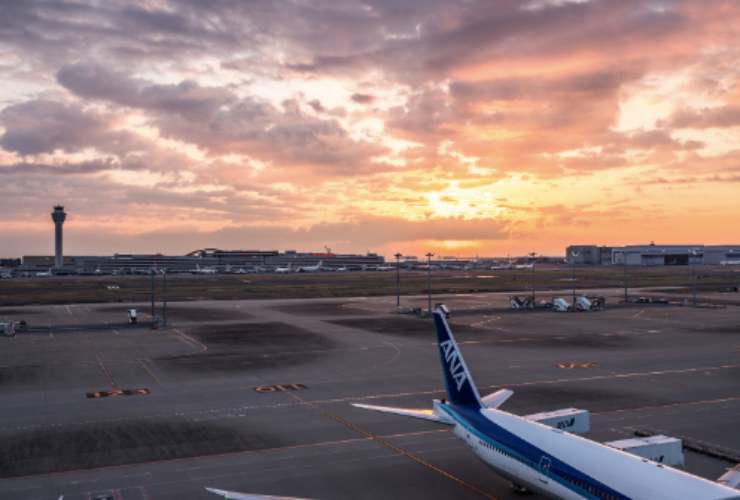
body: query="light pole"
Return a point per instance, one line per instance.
(164, 298)
(532, 255)
(694, 282)
(626, 277)
(573, 255)
(429, 256)
(153, 271)
(398, 279)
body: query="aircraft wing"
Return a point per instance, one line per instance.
(235, 495)
(731, 478)
(422, 414)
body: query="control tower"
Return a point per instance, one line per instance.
(58, 216)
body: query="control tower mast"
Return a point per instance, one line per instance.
(58, 216)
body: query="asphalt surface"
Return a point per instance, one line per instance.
(255, 396)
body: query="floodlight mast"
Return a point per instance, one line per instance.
(398, 256)
(533, 256)
(429, 256)
(573, 255)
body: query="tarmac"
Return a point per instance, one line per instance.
(254, 396)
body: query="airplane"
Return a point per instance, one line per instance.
(538, 457)
(341, 269)
(730, 263)
(44, 274)
(500, 267)
(6, 275)
(311, 269)
(544, 459)
(385, 268)
(203, 270)
(284, 270)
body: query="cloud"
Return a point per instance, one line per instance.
(217, 120)
(719, 117)
(42, 126)
(362, 98)
(187, 98)
(314, 113)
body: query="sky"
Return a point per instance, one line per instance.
(461, 127)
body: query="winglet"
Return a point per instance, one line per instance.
(460, 387)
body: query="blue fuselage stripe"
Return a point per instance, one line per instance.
(575, 480)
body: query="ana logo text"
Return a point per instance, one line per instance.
(562, 424)
(452, 358)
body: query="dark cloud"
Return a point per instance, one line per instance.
(217, 120)
(65, 168)
(186, 98)
(362, 98)
(42, 126)
(721, 117)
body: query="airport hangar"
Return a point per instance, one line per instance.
(652, 255)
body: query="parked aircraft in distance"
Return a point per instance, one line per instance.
(385, 268)
(500, 267)
(730, 263)
(540, 458)
(524, 266)
(44, 274)
(284, 270)
(311, 269)
(203, 270)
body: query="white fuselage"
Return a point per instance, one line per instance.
(625, 475)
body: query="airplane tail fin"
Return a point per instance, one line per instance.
(461, 389)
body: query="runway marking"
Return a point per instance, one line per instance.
(384, 442)
(479, 324)
(105, 371)
(396, 354)
(146, 368)
(570, 365)
(266, 389)
(187, 339)
(638, 314)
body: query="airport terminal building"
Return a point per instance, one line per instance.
(653, 255)
(221, 260)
